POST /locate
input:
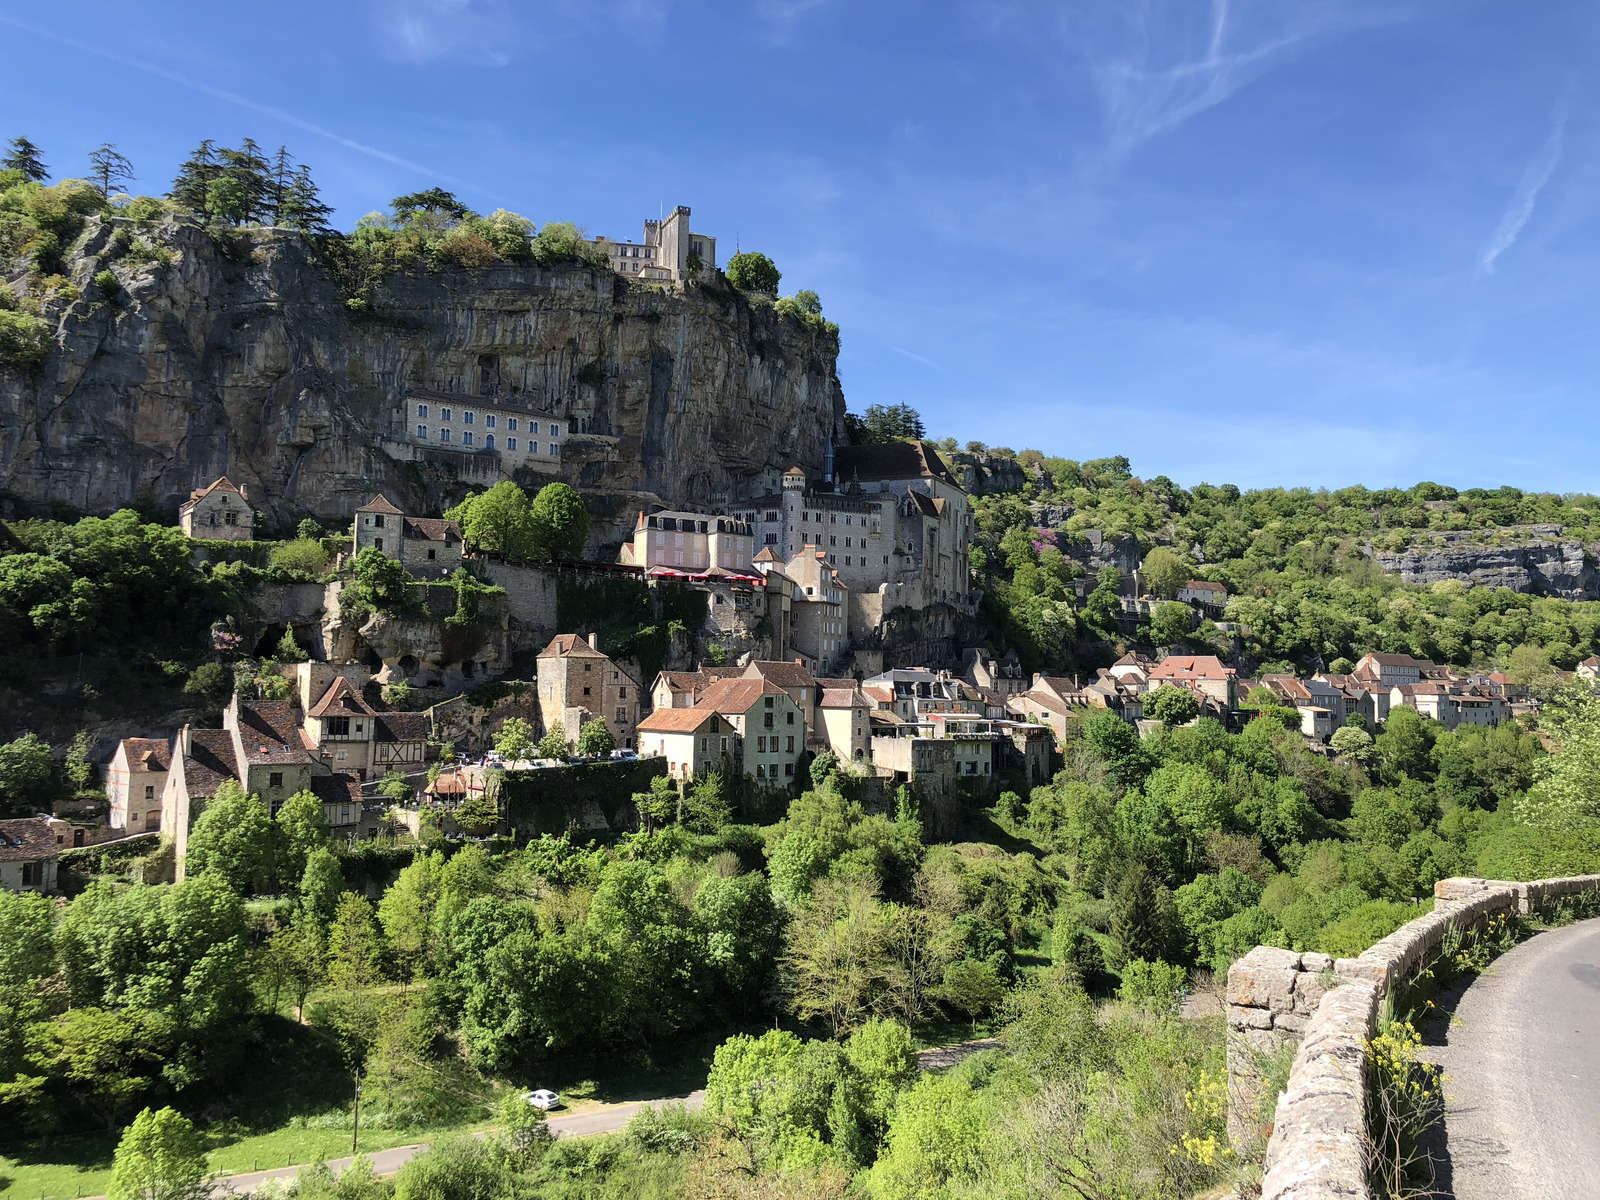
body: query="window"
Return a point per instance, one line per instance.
(789, 749)
(769, 702)
(422, 431)
(488, 441)
(275, 779)
(466, 438)
(833, 541)
(772, 516)
(30, 874)
(761, 770)
(554, 429)
(622, 717)
(377, 543)
(467, 418)
(788, 768)
(444, 414)
(761, 745)
(555, 449)
(833, 518)
(149, 791)
(230, 518)
(585, 691)
(488, 421)
(511, 424)
(511, 443)
(341, 756)
(790, 719)
(338, 726)
(766, 720)
(847, 541)
(444, 435)
(422, 411)
(622, 693)
(431, 554)
(847, 560)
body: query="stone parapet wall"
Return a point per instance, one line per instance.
(1317, 1146)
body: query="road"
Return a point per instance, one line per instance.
(601, 1118)
(1522, 1060)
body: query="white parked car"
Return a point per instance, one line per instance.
(543, 1098)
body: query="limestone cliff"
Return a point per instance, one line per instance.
(1532, 558)
(240, 357)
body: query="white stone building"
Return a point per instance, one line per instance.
(667, 251)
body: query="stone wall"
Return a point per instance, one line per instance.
(1317, 1148)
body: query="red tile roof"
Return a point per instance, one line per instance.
(341, 698)
(784, 674)
(209, 762)
(223, 484)
(381, 505)
(569, 644)
(147, 754)
(26, 839)
(269, 733)
(338, 788)
(844, 698)
(432, 529)
(737, 695)
(676, 720)
(1191, 666)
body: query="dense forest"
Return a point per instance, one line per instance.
(1304, 590)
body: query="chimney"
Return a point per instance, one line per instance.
(594, 641)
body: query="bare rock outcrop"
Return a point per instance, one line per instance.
(239, 356)
(1534, 558)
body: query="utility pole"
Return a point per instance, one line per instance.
(356, 1130)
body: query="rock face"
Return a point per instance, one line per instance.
(986, 474)
(243, 359)
(1541, 561)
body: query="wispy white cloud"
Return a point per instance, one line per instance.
(1157, 63)
(235, 98)
(426, 31)
(1520, 210)
(927, 362)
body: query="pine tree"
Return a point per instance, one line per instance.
(1143, 918)
(301, 206)
(109, 169)
(194, 177)
(24, 157)
(248, 168)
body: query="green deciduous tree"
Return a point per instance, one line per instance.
(233, 837)
(1568, 795)
(27, 776)
(379, 584)
(560, 522)
(1164, 571)
(160, 1157)
(1172, 704)
(753, 272)
(112, 1056)
(515, 740)
(553, 744)
(499, 522)
(595, 739)
(299, 828)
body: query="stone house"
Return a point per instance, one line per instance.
(689, 543)
(425, 546)
(844, 723)
(1313, 693)
(664, 254)
(694, 741)
(340, 794)
(680, 689)
(272, 755)
(891, 519)
(1003, 676)
(28, 855)
(818, 617)
(136, 780)
(1204, 594)
(793, 677)
(1202, 673)
(1362, 695)
(1394, 669)
(578, 684)
(770, 728)
(218, 512)
(202, 759)
(350, 735)
(483, 434)
(1451, 704)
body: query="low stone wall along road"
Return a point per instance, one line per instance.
(1522, 1056)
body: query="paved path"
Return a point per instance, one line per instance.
(1522, 1056)
(605, 1118)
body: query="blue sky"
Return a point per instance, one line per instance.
(1250, 241)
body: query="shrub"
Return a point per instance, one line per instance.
(24, 341)
(105, 282)
(302, 554)
(1158, 984)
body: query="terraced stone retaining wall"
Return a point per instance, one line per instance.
(1317, 1144)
